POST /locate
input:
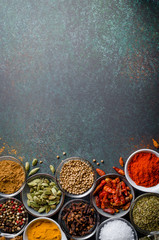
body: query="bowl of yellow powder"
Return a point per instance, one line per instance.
(43, 228)
(12, 176)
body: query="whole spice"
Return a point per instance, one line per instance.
(120, 171)
(79, 218)
(12, 176)
(155, 143)
(100, 172)
(33, 171)
(76, 176)
(34, 162)
(144, 169)
(145, 213)
(121, 162)
(44, 229)
(13, 216)
(52, 169)
(116, 229)
(44, 195)
(27, 166)
(111, 195)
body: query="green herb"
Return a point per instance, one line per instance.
(145, 213)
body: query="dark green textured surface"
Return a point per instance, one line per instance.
(80, 77)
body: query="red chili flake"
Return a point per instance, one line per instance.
(1, 205)
(12, 201)
(21, 223)
(13, 207)
(17, 221)
(19, 211)
(3, 209)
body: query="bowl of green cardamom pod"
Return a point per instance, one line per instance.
(41, 195)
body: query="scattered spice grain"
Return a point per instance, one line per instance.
(64, 153)
(76, 176)
(98, 163)
(102, 161)
(94, 160)
(57, 156)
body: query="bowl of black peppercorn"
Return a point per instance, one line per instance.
(13, 217)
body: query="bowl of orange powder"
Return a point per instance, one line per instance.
(142, 170)
(12, 176)
(43, 228)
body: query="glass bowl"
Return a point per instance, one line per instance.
(65, 228)
(16, 233)
(154, 189)
(121, 212)
(26, 190)
(23, 184)
(114, 219)
(71, 178)
(43, 218)
(145, 232)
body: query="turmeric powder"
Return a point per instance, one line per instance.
(12, 176)
(43, 230)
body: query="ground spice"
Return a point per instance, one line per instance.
(12, 176)
(44, 230)
(145, 213)
(144, 169)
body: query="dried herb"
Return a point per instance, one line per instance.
(145, 213)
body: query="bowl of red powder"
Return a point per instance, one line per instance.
(142, 170)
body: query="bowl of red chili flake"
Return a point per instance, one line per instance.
(13, 217)
(113, 196)
(142, 170)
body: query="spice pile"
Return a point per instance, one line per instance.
(43, 230)
(144, 169)
(44, 195)
(115, 230)
(79, 218)
(13, 216)
(111, 195)
(76, 177)
(12, 176)
(145, 213)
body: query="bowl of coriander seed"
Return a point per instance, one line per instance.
(76, 177)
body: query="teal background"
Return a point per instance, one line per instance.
(80, 77)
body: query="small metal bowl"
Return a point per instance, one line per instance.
(13, 235)
(154, 189)
(46, 219)
(114, 219)
(145, 232)
(26, 190)
(121, 213)
(64, 227)
(13, 159)
(58, 177)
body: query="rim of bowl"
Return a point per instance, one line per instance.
(8, 235)
(112, 219)
(64, 229)
(53, 211)
(37, 219)
(116, 215)
(131, 211)
(155, 188)
(76, 196)
(10, 158)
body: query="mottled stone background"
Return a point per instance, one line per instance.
(80, 77)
